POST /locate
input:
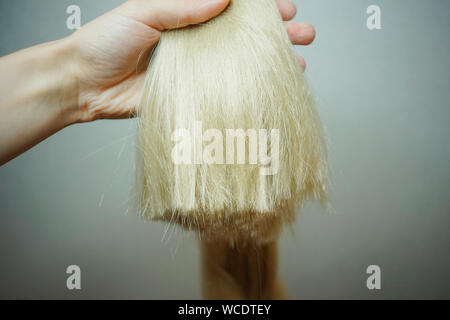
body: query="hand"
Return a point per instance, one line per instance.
(112, 51)
(98, 72)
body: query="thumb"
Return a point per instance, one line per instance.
(171, 14)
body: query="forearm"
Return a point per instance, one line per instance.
(38, 96)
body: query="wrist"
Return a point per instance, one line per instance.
(51, 85)
(64, 80)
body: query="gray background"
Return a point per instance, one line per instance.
(384, 99)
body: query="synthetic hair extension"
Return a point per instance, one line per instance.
(236, 72)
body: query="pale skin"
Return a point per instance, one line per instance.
(97, 72)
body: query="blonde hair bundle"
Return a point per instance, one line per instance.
(236, 75)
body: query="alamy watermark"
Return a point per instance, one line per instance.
(374, 280)
(73, 21)
(374, 20)
(207, 147)
(73, 282)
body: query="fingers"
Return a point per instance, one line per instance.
(287, 9)
(302, 62)
(300, 32)
(164, 14)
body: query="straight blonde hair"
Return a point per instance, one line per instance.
(237, 71)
